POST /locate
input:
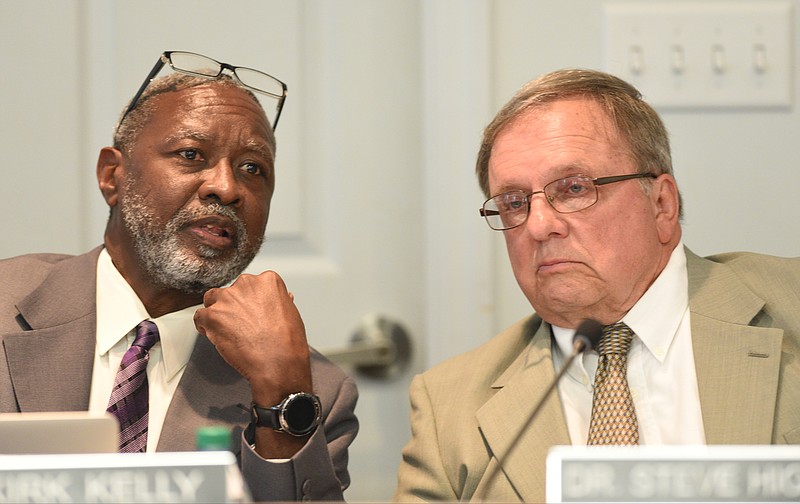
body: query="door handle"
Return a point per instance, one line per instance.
(379, 348)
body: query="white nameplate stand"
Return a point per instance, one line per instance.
(763, 473)
(122, 477)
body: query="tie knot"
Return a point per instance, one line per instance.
(146, 334)
(616, 339)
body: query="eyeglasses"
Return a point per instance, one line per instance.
(566, 195)
(203, 66)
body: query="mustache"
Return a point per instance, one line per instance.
(186, 216)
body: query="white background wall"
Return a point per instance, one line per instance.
(398, 89)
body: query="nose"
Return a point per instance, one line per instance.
(544, 222)
(220, 183)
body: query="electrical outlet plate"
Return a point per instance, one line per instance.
(703, 54)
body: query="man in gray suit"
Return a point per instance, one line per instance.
(578, 175)
(188, 183)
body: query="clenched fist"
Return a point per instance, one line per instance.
(257, 329)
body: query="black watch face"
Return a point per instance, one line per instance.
(301, 414)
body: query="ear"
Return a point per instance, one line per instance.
(110, 168)
(667, 207)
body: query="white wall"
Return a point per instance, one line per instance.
(41, 152)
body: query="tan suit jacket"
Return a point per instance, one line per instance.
(47, 331)
(745, 320)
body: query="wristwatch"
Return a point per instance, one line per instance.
(298, 415)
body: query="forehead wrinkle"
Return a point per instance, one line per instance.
(190, 133)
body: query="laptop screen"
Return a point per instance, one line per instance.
(58, 433)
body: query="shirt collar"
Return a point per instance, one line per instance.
(119, 310)
(658, 313)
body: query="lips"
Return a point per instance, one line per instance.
(554, 266)
(215, 231)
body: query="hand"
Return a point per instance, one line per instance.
(257, 329)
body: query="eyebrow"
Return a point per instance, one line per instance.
(261, 149)
(558, 173)
(250, 144)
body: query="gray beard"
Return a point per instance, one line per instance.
(168, 262)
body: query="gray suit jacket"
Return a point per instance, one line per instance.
(745, 316)
(47, 330)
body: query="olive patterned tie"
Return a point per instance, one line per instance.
(613, 415)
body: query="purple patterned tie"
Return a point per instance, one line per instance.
(129, 398)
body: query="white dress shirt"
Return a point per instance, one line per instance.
(661, 372)
(119, 310)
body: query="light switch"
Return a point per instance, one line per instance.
(703, 54)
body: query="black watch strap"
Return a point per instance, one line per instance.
(299, 414)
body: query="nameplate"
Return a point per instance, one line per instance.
(763, 473)
(122, 477)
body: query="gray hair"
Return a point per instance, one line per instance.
(636, 121)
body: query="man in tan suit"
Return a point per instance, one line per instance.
(578, 173)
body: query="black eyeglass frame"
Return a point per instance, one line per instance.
(166, 57)
(485, 213)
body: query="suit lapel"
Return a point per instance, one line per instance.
(205, 396)
(48, 363)
(51, 362)
(508, 412)
(736, 363)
